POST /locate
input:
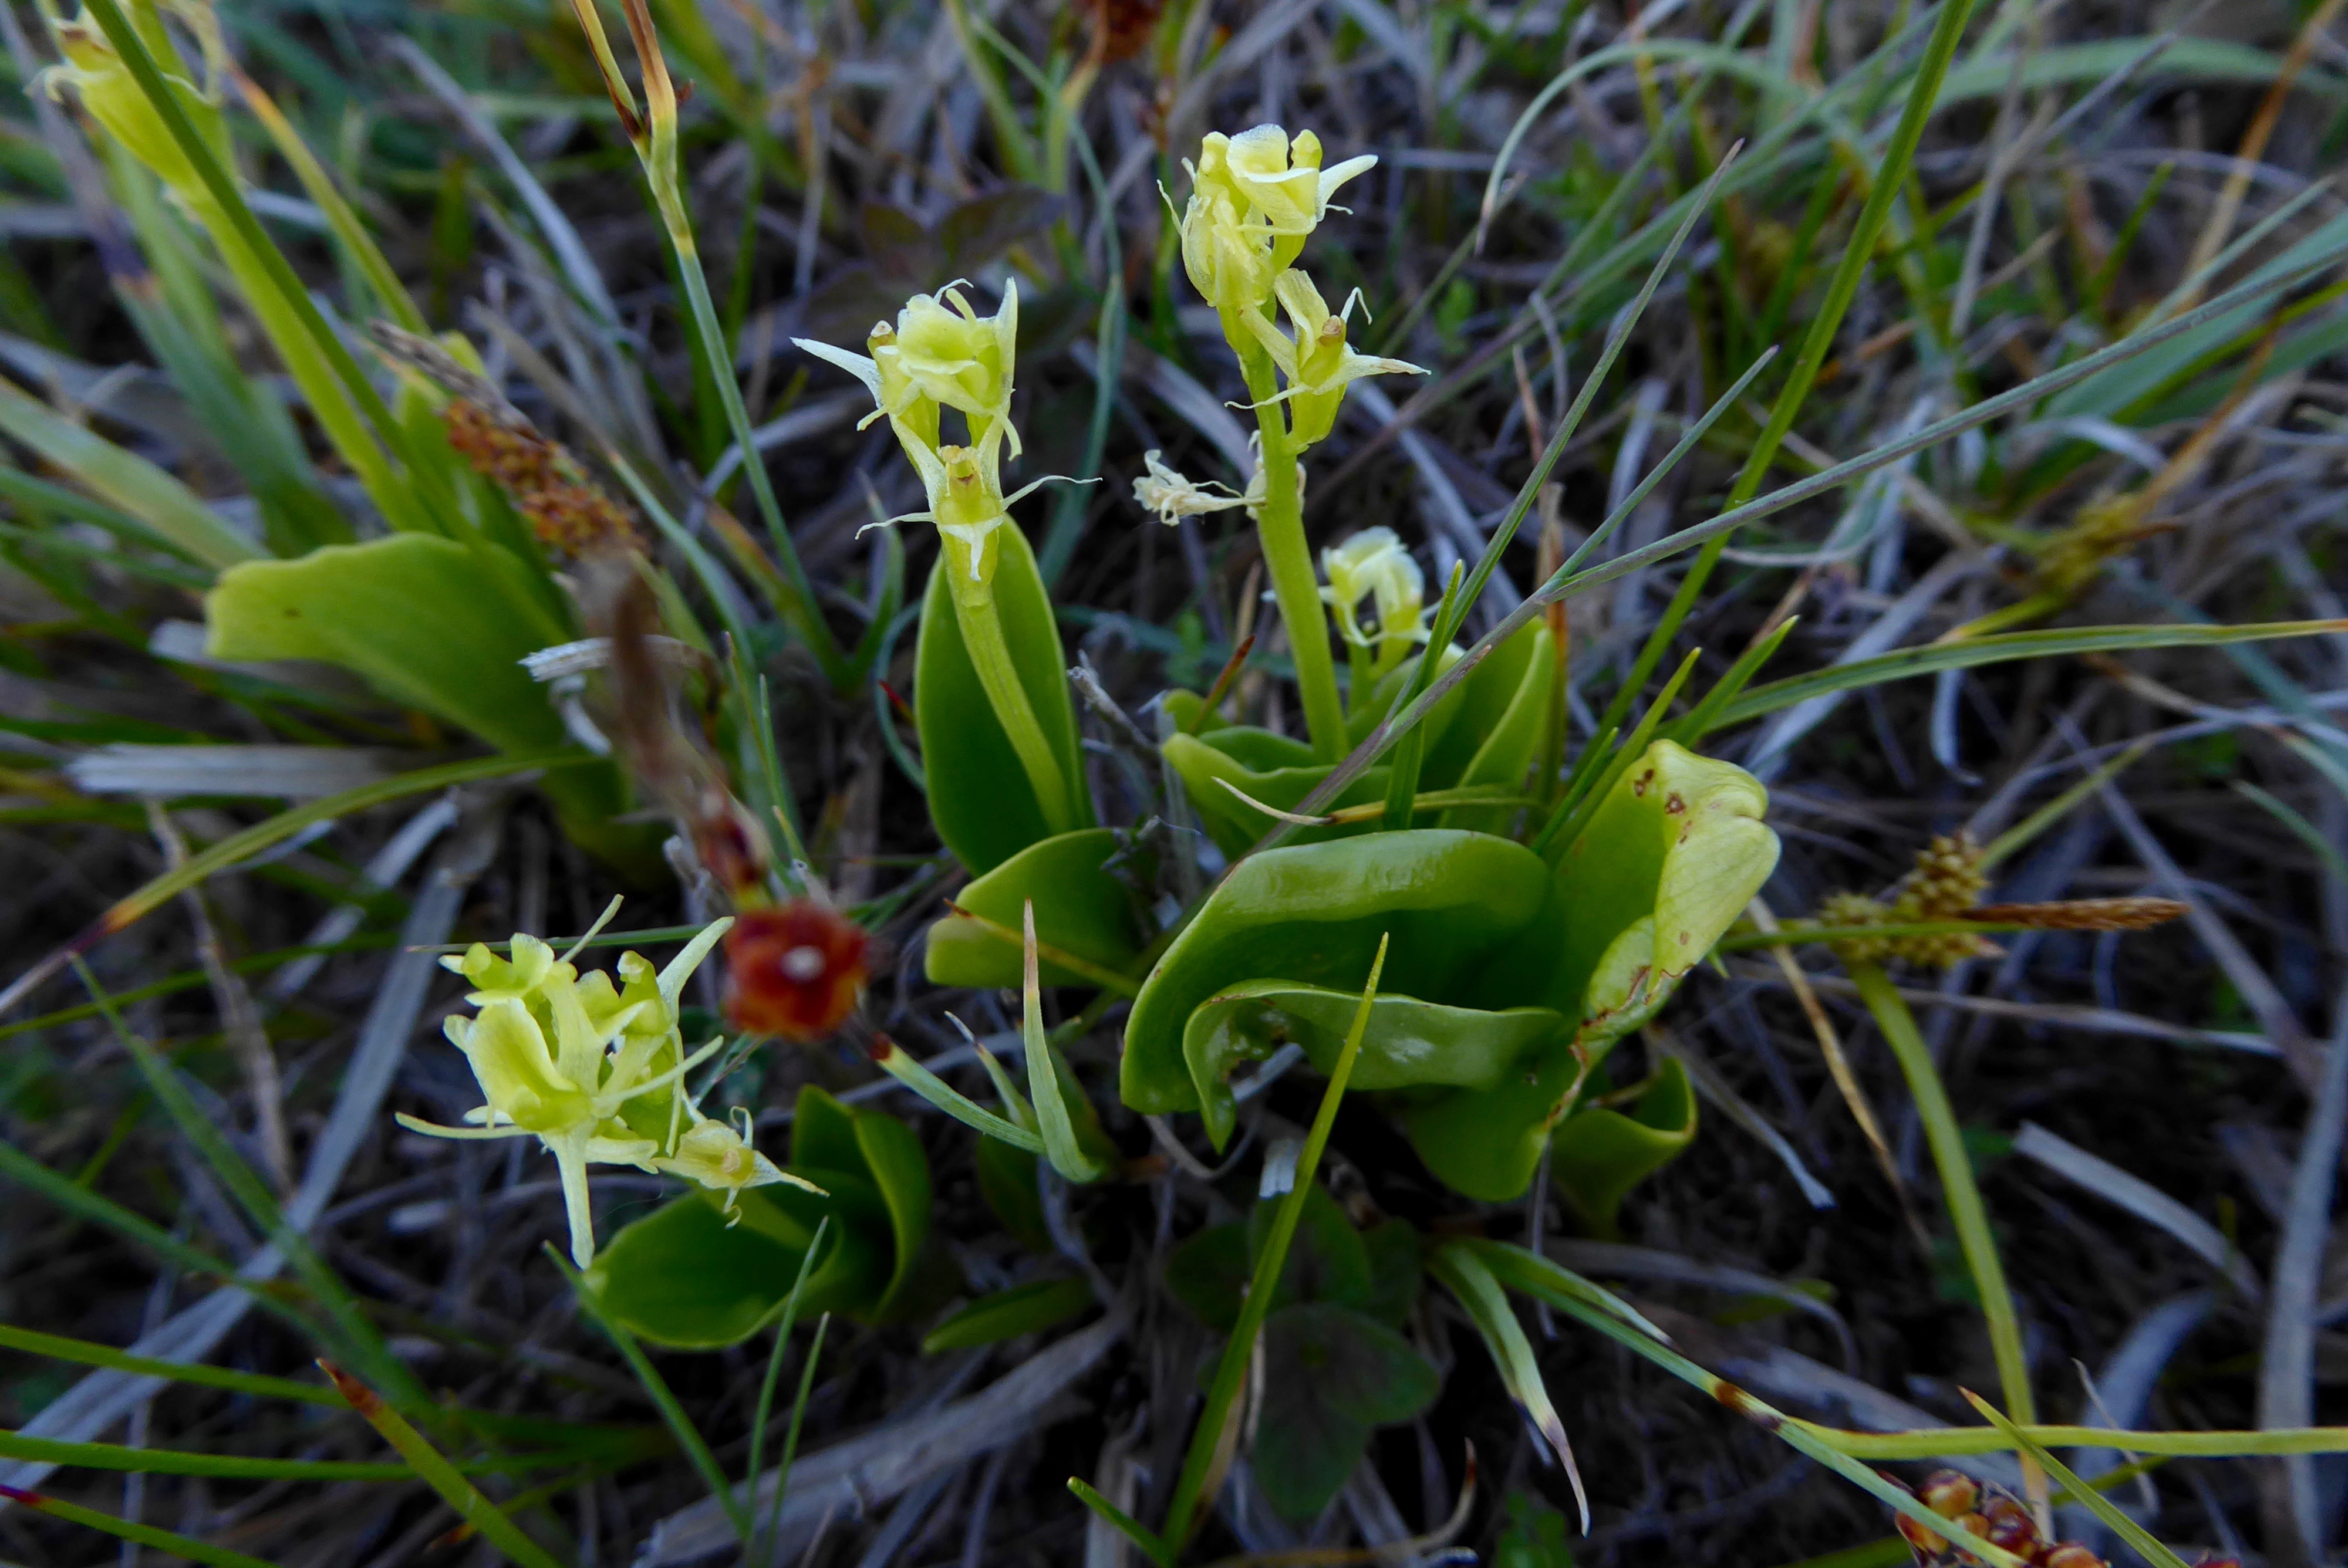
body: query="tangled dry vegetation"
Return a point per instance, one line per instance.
(1972, 1116)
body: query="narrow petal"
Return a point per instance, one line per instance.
(680, 968)
(855, 364)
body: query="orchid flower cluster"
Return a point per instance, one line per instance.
(1255, 198)
(595, 1073)
(939, 354)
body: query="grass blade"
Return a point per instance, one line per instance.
(1998, 646)
(2143, 1541)
(1053, 1122)
(1958, 1190)
(180, 1546)
(1472, 1285)
(476, 1510)
(898, 1063)
(1208, 1444)
(688, 1436)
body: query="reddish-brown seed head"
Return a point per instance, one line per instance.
(797, 971)
(1949, 1492)
(2071, 1555)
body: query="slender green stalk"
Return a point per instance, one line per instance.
(185, 1548)
(791, 1433)
(84, 1353)
(1207, 1443)
(788, 1321)
(1889, 178)
(1279, 531)
(990, 655)
(1963, 1194)
(680, 1425)
(1935, 1442)
(1563, 827)
(436, 1472)
(118, 1457)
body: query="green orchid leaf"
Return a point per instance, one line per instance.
(1511, 708)
(1408, 1044)
(1343, 1375)
(1007, 1313)
(1209, 1273)
(424, 621)
(1598, 1154)
(823, 1132)
(692, 1278)
(1235, 758)
(1081, 909)
(1314, 914)
(893, 1153)
(980, 800)
(1486, 1143)
(1667, 863)
(1327, 1260)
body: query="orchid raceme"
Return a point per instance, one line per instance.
(593, 1070)
(941, 354)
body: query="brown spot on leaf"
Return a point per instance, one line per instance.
(1673, 805)
(1745, 1405)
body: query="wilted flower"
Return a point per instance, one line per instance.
(591, 1069)
(1373, 565)
(797, 971)
(1317, 363)
(1173, 498)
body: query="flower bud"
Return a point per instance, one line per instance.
(1373, 565)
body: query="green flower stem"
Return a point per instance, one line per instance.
(800, 606)
(990, 655)
(1280, 529)
(1963, 1194)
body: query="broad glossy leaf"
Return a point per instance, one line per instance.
(1503, 706)
(1314, 914)
(685, 1278)
(1510, 710)
(1394, 1270)
(980, 799)
(893, 1153)
(1343, 1375)
(1486, 1143)
(1260, 766)
(1007, 1313)
(1599, 1154)
(1408, 1044)
(1081, 909)
(424, 621)
(1666, 864)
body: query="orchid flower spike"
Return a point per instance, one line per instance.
(593, 1070)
